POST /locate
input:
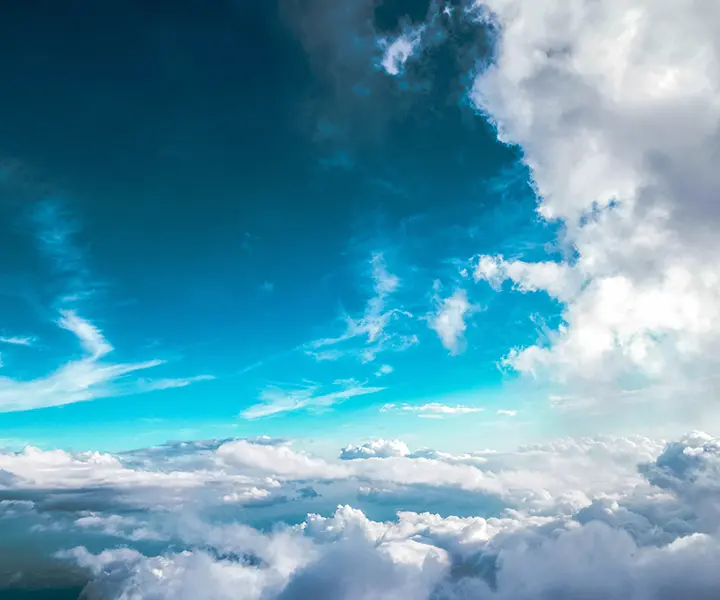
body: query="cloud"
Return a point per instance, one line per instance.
(375, 325)
(449, 321)
(397, 51)
(433, 408)
(17, 340)
(170, 383)
(384, 370)
(375, 448)
(278, 461)
(83, 379)
(276, 400)
(55, 231)
(507, 413)
(619, 151)
(621, 517)
(90, 336)
(557, 279)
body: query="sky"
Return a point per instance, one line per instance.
(296, 287)
(213, 224)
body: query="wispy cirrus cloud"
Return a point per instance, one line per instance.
(170, 383)
(276, 400)
(373, 327)
(639, 284)
(56, 230)
(17, 340)
(83, 379)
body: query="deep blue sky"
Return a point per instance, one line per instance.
(206, 183)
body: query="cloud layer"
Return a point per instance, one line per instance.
(627, 518)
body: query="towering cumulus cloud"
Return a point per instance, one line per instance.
(622, 518)
(616, 106)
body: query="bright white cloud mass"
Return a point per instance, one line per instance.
(615, 107)
(620, 517)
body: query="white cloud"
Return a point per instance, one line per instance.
(376, 325)
(581, 522)
(384, 370)
(433, 408)
(375, 448)
(507, 413)
(90, 337)
(82, 379)
(276, 400)
(614, 105)
(278, 461)
(17, 340)
(557, 279)
(399, 50)
(449, 320)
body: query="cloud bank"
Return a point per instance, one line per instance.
(629, 518)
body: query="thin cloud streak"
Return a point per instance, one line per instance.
(276, 400)
(84, 379)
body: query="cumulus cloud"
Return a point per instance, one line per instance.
(619, 517)
(449, 320)
(615, 106)
(375, 448)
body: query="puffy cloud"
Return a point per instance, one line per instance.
(614, 106)
(627, 545)
(397, 51)
(690, 469)
(375, 448)
(384, 370)
(280, 461)
(449, 320)
(576, 518)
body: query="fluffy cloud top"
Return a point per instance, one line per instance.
(449, 320)
(615, 106)
(621, 517)
(375, 448)
(379, 327)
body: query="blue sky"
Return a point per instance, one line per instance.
(211, 190)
